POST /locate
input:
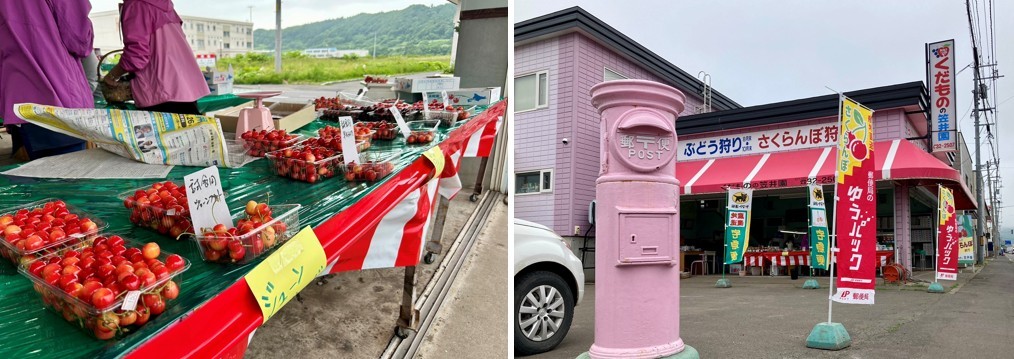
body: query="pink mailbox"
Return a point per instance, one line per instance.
(637, 290)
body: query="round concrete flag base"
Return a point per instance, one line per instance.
(828, 336)
(811, 284)
(935, 288)
(723, 283)
(688, 353)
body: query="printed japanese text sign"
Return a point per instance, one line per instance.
(737, 224)
(348, 131)
(966, 244)
(758, 142)
(947, 237)
(855, 206)
(819, 236)
(206, 199)
(281, 275)
(940, 75)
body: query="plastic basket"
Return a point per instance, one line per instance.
(260, 241)
(171, 221)
(87, 317)
(372, 168)
(258, 148)
(300, 169)
(15, 251)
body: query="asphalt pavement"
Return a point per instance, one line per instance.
(770, 317)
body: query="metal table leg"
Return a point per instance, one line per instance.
(408, 316)
(433, 246)
(478, 180)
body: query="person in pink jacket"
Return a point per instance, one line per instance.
(41, 47)
(166, 77)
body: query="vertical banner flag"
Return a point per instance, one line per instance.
(966, 241)
(737, 224)
(819, 239)
(947, 237)
(940, 79)
(855, 208)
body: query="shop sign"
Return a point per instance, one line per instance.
(966, 241)
(855, 207)
(757, 142)
(940, 79)
(820, 239)
(947, 236)
(737, 224)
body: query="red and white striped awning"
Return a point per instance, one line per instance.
(894, 160)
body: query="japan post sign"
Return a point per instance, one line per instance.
(940, 74)
(855, 207)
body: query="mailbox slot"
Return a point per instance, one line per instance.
(646, 237)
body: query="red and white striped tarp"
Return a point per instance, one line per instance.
(480, 144)
(760, 259)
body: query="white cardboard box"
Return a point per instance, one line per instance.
(220, 89)
(474, 96)
(427, 84)
(215, 77)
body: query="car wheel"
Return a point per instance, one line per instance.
(543, 310)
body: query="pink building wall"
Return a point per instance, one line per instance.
(575, 63)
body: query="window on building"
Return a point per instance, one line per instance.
(531, 91)
(226, 34)
(610, 75)
(200, 27)
(200, 44)
(533, 182)
(227, 45)
(249, 45)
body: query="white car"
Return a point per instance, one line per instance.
(548, 283)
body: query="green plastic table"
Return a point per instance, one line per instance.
(28, 330)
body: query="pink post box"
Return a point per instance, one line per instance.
(637, 289)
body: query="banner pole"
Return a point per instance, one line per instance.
(834, 220)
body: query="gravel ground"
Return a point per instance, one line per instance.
(770, 317)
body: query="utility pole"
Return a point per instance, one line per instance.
(374, 44)
(278, 39)
(981, 211)
(250, 19)
(992, 201)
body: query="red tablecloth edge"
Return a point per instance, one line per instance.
(221, 327)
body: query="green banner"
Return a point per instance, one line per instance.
(737, 224)
(819, 238)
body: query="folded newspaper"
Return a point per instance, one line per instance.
(149, 137)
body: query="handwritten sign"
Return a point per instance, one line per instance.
(426, 105)
(349, 152)
(206, 199)
(281, 276)
(443, 94)
(130, 300)
(400, 120)
(436, 156)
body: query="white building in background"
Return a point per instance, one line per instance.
(207, 36)
(331, 52)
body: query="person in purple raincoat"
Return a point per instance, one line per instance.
(41, 47)
(155, 50)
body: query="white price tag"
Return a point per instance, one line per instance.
(130, 300)
(206, 199)
(348, 130)
(426, 105)
(362, 92)
(443, 94)
(400, 120)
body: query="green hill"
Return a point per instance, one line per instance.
(415, 30)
